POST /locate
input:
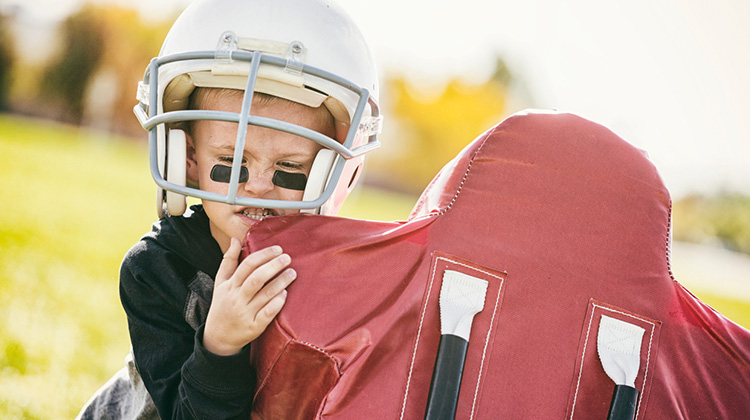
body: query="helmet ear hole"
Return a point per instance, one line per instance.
(319, 172)
(176, 171)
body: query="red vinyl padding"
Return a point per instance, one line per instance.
(567, 222)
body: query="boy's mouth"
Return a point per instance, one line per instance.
(257, 213)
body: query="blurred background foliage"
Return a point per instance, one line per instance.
(74, 164)
(69, 73)
(722, 219)
(7, 58)
(99, 54)
(433, 126)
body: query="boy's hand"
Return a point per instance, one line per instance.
(243, 304)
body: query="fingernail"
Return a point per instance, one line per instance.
(285, 258)
(291, 273)
(276, 249)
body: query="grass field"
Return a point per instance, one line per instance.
(74, 203)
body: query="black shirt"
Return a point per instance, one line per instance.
(166, 284)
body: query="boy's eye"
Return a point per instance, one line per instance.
(230, 159)
(290, 165)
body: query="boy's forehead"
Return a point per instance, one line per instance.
(210, 98)
(230, 100)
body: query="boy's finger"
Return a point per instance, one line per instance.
(261, 275)
(252, 262)
(259, 299)
(268, 312)
(229, 262)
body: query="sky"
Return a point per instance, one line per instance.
(669, 76)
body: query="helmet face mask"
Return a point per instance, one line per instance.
(270, 66)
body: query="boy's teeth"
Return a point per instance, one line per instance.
(256, 214)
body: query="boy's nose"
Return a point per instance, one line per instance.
(259, 182)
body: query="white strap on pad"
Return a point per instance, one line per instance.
(619, 346)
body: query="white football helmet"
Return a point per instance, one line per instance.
(306, 51)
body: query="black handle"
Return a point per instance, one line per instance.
(446, 378)
(623, 403)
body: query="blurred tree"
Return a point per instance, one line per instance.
(130, 43)
(7, 59)
(724, 217)
(66, 78)
(434, 128)
(94, 76)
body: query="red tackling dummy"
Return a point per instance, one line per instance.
(567, 222)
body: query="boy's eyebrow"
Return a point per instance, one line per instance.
(297, 155)
(222, 147)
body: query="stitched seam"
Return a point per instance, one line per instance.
(322, 350)
(585, 346)
(645, 373)
(668, 243)
(580, 370)
(466, 174)
(426, 216)
(484, 351)
(470, 267)
(416, 343)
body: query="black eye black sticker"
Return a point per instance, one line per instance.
(222, 173)
(290, 180)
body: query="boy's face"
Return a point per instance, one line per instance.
(266, 150)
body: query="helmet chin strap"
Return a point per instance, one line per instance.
(318, 178)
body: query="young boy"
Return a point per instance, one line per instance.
(259, 108)
(211, 143)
